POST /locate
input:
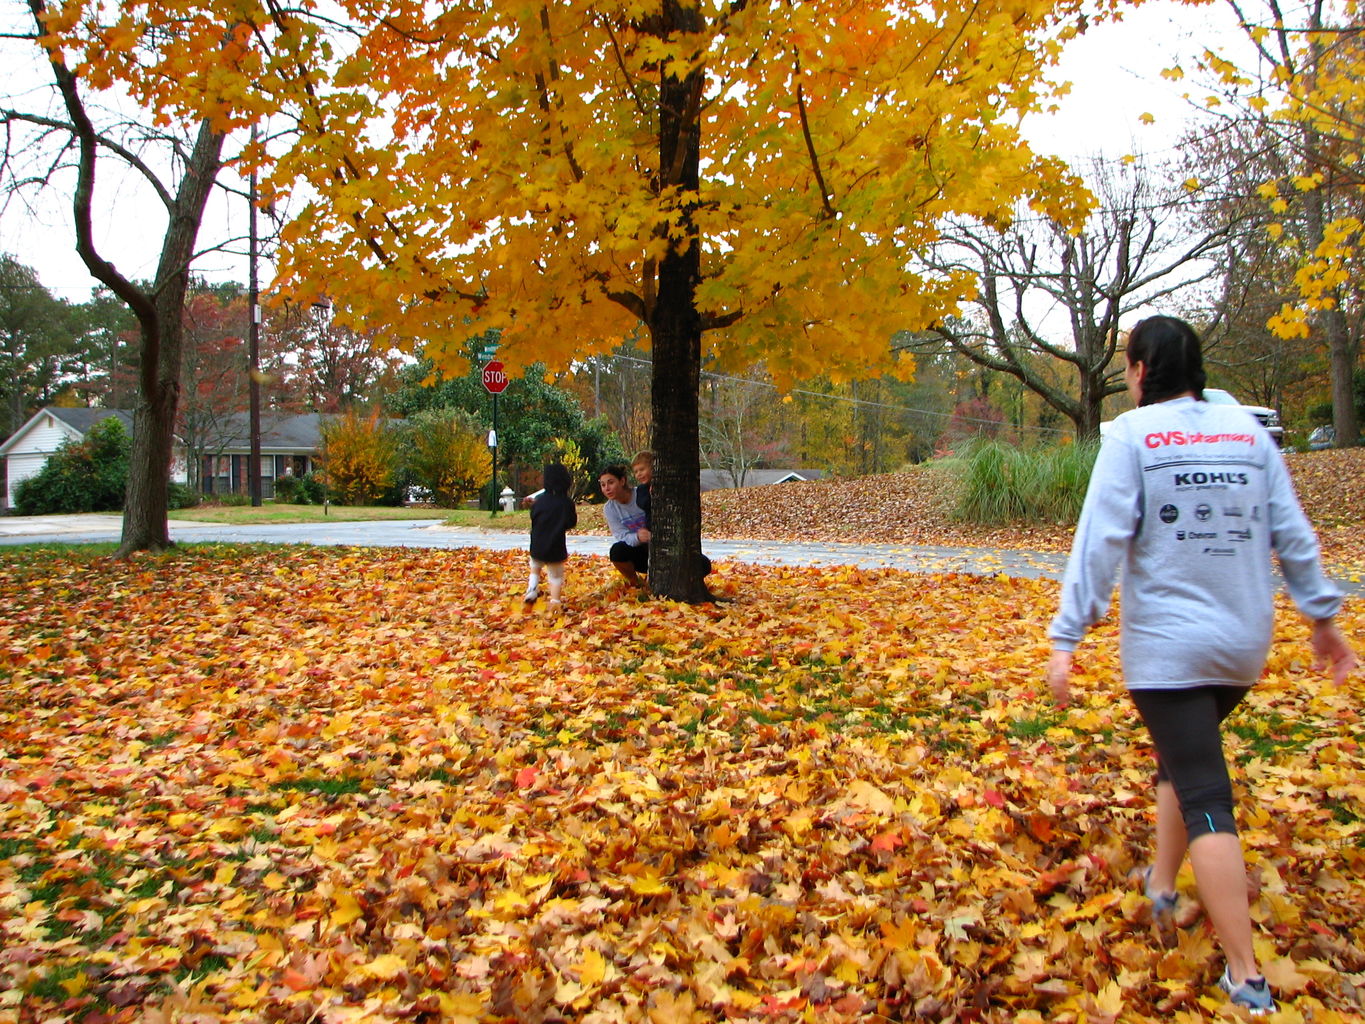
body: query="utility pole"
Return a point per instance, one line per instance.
(253, 350)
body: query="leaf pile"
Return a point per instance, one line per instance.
(916, 507)
(333, 785)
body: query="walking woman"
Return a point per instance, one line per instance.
(1191, 498)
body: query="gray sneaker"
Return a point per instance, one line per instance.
(1163, 903)
(1252, 995)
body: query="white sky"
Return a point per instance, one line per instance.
(1115, 71)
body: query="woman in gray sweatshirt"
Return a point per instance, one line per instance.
(1191, 499)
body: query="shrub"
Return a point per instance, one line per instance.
(444, 454)
(289, 491)
(312, 489)
(90, 475)
(300, 490)
(569, 454)
(181, 496)
(359, 456)
(1001, 483)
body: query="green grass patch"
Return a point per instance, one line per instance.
(48, 984)
(1343, 813)
(270, 512)
(474, 518)
(1271, 734)
(446, 778)
(328, 785)
(43, 554)
(1032, 728)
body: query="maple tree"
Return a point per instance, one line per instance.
(75, 42)
(319, 365)
(1305, 95)
(444, 454)
(154, 89)
(368, 785)
(747, 180)
(359, 457)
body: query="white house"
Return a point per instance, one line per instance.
(27, 450)
(289, 446)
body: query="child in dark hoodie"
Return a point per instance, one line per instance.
(552, 515)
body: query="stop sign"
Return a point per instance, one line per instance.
(494, 379)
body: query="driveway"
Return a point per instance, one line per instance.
(430, 533)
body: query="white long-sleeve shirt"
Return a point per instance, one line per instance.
(624, 519)
(1191, 498)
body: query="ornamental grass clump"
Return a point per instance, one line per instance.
(1003, 483)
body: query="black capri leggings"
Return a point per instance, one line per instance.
(1189, 751)
(636, 554)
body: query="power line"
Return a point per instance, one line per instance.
(849, 399)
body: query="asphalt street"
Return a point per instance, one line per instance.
(429, 533)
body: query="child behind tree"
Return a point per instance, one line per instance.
(552, 515)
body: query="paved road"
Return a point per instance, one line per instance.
(429, 533)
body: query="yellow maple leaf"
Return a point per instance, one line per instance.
(649, 884)
(385, 967)
(593, 969)
(345, 909)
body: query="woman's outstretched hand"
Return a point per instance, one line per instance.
(1331, 649)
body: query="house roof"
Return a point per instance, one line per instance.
(84, 419)
(717, 479)
(280, 432)
(78, 421)
(300, 432)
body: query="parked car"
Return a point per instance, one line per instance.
(1322, 437)
(1269, 418)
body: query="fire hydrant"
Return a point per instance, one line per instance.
(508, 500)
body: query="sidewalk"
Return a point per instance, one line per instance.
(56, 526)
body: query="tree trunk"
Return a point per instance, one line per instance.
(675, 562)
(1342, 353)
(145, 526)
(160, 313)
(1340, 348)
(1089, 409)
(675, 550)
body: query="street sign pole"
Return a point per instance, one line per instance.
(494, 381)
(493, 489)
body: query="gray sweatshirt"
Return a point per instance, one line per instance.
(1191, 498)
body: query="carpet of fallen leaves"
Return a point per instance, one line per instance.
(916, 507)
(338, 785)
